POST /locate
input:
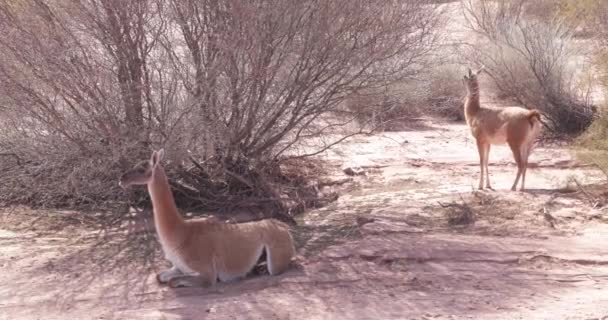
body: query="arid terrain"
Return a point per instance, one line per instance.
(410, 239)
(409, 236)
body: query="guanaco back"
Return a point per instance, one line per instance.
(518, 127)
(205, 250)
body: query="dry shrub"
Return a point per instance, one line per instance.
(592, 146)
(459, 213)
(434, 92)
(379, 109)
(446, 94)
(542, 9)
(437, 92)
(578, 14)
(532, 61)
(228, 89)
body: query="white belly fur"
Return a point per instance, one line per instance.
(500, 137)
(177, 261)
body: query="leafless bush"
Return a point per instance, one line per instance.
(594, 142)
(459, 213)
(541, 9)
(229, 88)
(435, 92)
(445, 93)
(599, 23)
(530, 60)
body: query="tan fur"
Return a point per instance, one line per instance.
(205, 250)
(518, 127)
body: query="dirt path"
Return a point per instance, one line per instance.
(384, 250)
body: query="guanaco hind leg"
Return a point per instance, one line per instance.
(526, 150)
(167, 275)
(206, 280)
(518, 159)
(278, 257)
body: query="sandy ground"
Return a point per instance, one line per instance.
(383, 250)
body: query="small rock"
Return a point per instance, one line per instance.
(594, 214)
(566, 202)
(368, 255)
(354, 171)
(364, 220)
(337, 253)
(566, 213)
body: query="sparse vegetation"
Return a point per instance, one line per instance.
(241, 94)
(459, 213)
(434, 92)
(88, 87)
(531, 60)
(593, 144)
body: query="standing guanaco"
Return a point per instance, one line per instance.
(518, 127)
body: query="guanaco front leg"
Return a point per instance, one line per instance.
(487, 160)
(481, 148)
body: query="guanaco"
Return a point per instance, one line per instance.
(516, 126)
(205, 250)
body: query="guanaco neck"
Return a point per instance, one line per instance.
(167, 219)
(472, 105)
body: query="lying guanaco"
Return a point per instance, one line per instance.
(516, 126)
(205, 250)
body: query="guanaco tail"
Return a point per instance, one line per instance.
(518, 127)
(204, 251)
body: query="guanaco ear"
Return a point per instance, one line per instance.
(157, 156)
(480, 70)
(470, 72)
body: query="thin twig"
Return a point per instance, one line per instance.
(11, 154)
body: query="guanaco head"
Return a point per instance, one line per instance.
(470, 80)
(143, 172)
